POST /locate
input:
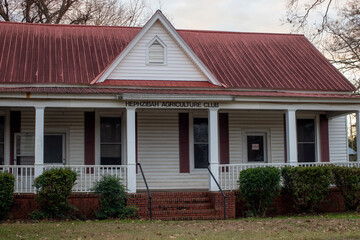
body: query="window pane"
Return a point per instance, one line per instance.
(255, 148)
(111, 154)
(201, 155)
(200, 130)
(306, 152)
(110, 129)
(53, 149)
(305, 130)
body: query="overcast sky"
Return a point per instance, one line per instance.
(226, 15)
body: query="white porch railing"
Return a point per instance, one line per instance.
(86, 175)
(24, 177)
(229, 173)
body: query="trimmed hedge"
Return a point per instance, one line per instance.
(308, 185)
(54, 187)
(347, 179)
(259, 187)
(7, 181)
(113, 198)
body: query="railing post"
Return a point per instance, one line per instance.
(39, 141)
(131, 149)
(213, 148)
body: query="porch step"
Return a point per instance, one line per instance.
(179, 206)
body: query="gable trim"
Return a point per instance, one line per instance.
(172, 31)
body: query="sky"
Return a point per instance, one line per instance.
(225, 15)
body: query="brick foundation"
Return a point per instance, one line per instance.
(24, 204)
(168, 205)
(284, 205)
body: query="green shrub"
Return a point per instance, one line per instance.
(308, 185)
(112, 198)
(53, 188)
(259, 187)
(347, 179)
(7, 181)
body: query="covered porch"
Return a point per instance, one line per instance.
(174, 143)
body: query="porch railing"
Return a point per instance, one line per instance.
(24, 177)
(86, 175)
(229, 173)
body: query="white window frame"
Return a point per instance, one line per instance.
(156, 38)
(64, 157)
(316, 118)
(267, 143)
(98, 116)
(193, 115)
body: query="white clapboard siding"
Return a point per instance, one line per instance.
(338, 139)
(179, 66)
(158, 153)
(271, 122)
(67, 121)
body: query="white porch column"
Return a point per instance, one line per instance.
(291, 140)
(7, 139)
(214, 148)
(39, 140)
(131, 149)
(358, 135)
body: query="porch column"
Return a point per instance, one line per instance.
(291, 140)
(39, 140)
(358, 135)
(213, 148)
(131, 149)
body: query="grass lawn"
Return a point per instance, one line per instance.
(342, 226)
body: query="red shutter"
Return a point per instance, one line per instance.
(184, 143)
(89, 138)
(285, 140)
(15, 127)
(224, 138)
(324, 138)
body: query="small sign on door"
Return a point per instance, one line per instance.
(255, 146)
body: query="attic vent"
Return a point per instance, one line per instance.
(156, 52)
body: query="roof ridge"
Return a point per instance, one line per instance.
(64, 25)
(234, 32)
(118, 27)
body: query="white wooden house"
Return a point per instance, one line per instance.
(101, 99)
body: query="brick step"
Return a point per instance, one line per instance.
(184, 212)
(188, 218)
(179, 194)
(182, 206)
(187, 200)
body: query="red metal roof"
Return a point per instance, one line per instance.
(69, 54)
(101, 90)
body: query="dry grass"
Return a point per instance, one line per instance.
(311, 227)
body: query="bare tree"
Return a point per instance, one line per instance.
(334, 26)
(91, 12)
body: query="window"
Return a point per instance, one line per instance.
(201, 143)
(256, 147)
(2, 140)
(156, 53)
(306, 140)
(110, 141)
(54, 148)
